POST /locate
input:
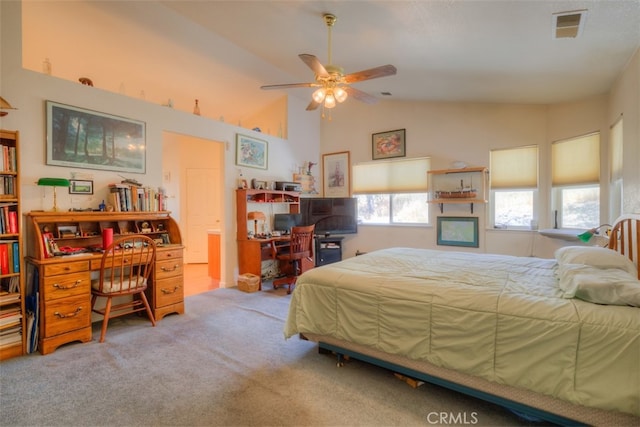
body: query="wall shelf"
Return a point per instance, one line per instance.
(458, 186)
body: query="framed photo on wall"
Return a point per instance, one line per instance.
(81, 138)
(80, 186)
(336, 174)
(251, 152)
(458, 231)
(386, 145)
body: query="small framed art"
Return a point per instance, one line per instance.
(80, 186)
(386, 145)
(458, 231)
(336, 172)
(251, 152)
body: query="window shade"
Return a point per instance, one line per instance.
(576, 161)
(392, 176)
(514, 168)
(616, 150)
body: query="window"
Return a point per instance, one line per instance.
(514, 187)
(575, 177)
(392, 192)
(615, 166)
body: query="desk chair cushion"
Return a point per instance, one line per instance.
(117, 285)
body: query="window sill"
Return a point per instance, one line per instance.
(570, 234)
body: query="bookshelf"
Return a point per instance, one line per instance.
(13, 317)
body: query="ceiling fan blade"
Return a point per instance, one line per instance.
(313, 63)
(313, 105)
(372, 73)
(360, 95)
(288, 86)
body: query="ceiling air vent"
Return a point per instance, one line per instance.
(568, 24)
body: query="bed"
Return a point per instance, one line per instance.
(557, 339)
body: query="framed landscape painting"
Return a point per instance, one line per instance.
(81, 138)
(458, 231)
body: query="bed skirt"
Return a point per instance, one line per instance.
(517, 399)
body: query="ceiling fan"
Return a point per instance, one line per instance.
(333, 85)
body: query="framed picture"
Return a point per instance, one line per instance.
(80, 186)
(458, 231)
(336, 173)
(66, 231)
(386, 145)
(251, 152)
(81, 138)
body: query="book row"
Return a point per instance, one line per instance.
(9, 257)
(8, 159)
(129, 198)
(8, 219)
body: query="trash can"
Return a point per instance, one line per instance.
(248, 282)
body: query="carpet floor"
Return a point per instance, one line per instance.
(225, 362)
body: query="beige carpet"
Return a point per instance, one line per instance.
(223, 363)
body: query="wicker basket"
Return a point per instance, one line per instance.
(248, 282)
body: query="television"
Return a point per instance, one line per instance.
(284, 221)
(337, 215)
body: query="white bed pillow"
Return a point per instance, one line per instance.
(599, 285)
(596, 257)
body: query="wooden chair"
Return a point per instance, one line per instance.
(124, 271)
(300, 247)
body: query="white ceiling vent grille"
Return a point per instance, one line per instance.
(568, 24)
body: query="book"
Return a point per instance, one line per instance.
(13, 222)
(15, 246)
(4, 258)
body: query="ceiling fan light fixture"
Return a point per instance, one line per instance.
(319, 95)
(340, 94)
(329, 100)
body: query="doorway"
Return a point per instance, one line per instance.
(192, 177)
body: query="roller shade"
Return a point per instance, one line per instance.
(392, 176)
(576, 161)
(514, 168)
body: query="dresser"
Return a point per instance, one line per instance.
(63, 254)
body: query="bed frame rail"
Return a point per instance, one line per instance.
(625, 238)
(516, 407)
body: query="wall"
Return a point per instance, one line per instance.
(27, 90)
(467, 132)
(625, 101)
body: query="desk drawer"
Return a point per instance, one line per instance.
(66, 268)
(69, 314)
(66, 285)
(168, 291)
(162, 255)
(168, 268)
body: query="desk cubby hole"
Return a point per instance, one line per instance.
(109, 224)
(65, 230)
(126, 227)
(89, 229)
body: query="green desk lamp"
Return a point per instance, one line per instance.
(587, 235)
(54, 182)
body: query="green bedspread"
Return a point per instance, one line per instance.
(498, 317)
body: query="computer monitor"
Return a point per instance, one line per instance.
(283, 222)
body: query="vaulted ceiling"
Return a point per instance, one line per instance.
(455, 50)
(493, 51)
